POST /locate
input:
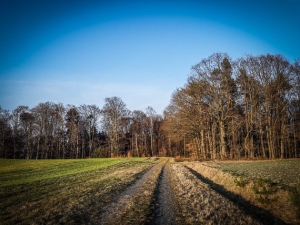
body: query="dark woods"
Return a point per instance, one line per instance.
(52, 130)
(247, 108)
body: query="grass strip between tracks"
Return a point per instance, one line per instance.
(140, 208)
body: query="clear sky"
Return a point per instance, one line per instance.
(79, 52)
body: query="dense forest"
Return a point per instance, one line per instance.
(228, 109)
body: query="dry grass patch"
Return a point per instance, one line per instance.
(199, 204)
(260, 192)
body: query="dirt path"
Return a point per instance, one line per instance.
(111, 211)
(170, 193)
(199, 204)
(164, 212)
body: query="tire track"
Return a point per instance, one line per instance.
(256, 212)
(112, 212)
(164, 212)
(170, 193)
(199, 204)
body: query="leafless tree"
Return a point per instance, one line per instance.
(90, 115)
(27, 121)
(72, 124)
(113, 112)
(5, 131)
(138, 122)
(150, 112)
(218, 88)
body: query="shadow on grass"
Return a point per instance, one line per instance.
(260, 214)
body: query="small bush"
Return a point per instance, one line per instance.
(294, 193)
(99, 153)
(264, 189)
(241, 181)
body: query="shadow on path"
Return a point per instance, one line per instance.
(163, 212)
(260, 214)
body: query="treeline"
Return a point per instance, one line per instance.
(244, 108)
(228, 109)
(52, 130)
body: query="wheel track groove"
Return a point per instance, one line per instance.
(164, 212)
(110, 214)
(256, 212)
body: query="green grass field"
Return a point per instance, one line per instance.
(285, 172)
(13, 172)
(63, 191)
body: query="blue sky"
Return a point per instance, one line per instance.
(79, 52)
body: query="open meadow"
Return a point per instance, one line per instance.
(149, 191)
(62, 191)
(282, 172)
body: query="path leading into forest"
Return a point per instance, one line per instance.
(170, 193)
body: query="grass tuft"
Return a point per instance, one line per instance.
(264, 189)
(241, 181)
(294, 193)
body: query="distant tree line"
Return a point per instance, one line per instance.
(52, 130)
(228, 109)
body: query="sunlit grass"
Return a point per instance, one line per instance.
(63, 191)
(13, 172)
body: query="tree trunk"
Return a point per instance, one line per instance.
(223, 139)
(38, 148)
(136, 145)
(202, 144)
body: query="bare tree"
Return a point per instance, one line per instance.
(17, 134)
(60, 130)
(72, 124)
(90, 115)
(294, 110)
(27, 120)
(181, 121)
(5, 131)
(266, 85)
(138, 122)
(113, 112)
(219, 91)
(150, 112)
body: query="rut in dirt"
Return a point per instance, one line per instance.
(111, 211)
(200, 204)
(164, 212)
